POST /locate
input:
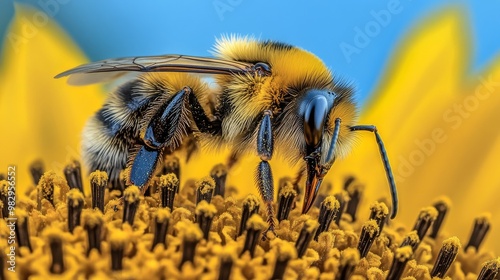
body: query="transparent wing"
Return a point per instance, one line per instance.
(100, 71)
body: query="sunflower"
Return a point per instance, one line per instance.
(436, 121)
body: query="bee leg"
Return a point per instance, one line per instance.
(163, 131)
(264, 176)
(233, 158)
(387, 166)
(202, 121)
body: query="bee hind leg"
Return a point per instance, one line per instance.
(264, 176)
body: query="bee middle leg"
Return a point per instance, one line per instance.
(264, 175)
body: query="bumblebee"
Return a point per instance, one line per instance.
(265, 94)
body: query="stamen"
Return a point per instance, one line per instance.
(379, 213)
(169, 185)
(343, 199)
(442, 205)
(161, 221)
(205, 189)
(219, 174)
(73, 174)
(284, 181)
(285, 252)
(412, 240)
(355, 191)
(205, 213)
(286, 199)
(98, 183)
(255, 226)
(4, 197)
(191, 235)
(490, 270)
(329, 209)
(401, 257)
(37, 169)
(349, 258)
(250, 206)
(481, 227)
(46, 186)
(171, 165)
(369, 232)
(446, 257)
(92, 223)
(21, 229)
(131, 199)
(306, 235)
(117, 239)
(227, 257)
(54, 236)
(75, 206)
(424, 221)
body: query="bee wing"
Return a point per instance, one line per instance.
(105, 70)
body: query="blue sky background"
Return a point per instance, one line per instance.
(105, 29)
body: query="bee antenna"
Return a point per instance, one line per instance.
(387, 166)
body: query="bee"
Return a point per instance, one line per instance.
(264, 94)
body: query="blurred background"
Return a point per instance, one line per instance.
(426, 73)
(329, 29)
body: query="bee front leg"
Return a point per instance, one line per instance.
(264, 175)
(164, 130)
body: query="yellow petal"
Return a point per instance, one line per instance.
(437, 124)
(42, 117)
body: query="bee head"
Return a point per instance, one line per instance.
(327, 116)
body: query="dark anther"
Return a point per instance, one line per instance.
(131, 199)
(92, 223)
(37, 169)
(73, 174)
(255, 226)
(379, 213)
(446, 257)
(369, 232)
(286, 198)
(349, 258)
(205, 213)
(442, 207)
(75, 206)
(401, 257)
(219, 174)
(479, 231)
(251, 206)
(329, 209)
(306, 235)
(169, 185)
(98, 183)
(205, 189)
(160, 225)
